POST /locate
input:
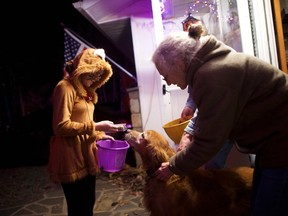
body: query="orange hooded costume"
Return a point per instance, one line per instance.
(73, 150)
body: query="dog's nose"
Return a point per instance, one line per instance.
(122, 134)
(127, 135)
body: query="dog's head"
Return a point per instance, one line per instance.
(152, 147)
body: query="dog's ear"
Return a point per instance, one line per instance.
(159, 146)
(160, 154)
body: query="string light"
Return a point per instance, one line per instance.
(194, 7)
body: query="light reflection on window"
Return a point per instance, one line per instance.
(220, 17)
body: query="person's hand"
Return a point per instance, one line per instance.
(107, 126)
(187, 113)
(164, 173)
(186, 140)
(105, 136)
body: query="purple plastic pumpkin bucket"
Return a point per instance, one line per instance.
(112, 154)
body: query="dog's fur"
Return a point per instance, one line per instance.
(225, 192)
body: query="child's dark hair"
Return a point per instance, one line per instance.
(195, 31)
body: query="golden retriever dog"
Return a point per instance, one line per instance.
(224, 192)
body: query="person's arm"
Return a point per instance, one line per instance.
(209, 134)
(63, 101)
(189, 112)
(190, 106)
(190, 103)
(107, 126)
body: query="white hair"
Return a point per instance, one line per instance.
(176, 51)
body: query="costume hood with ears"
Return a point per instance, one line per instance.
(89, 61)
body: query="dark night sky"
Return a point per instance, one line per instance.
(31, 64)
(32, 39)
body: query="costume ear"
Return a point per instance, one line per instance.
(100, 52)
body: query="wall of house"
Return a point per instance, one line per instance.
(149, 81)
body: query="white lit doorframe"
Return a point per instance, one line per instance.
(264, 31)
